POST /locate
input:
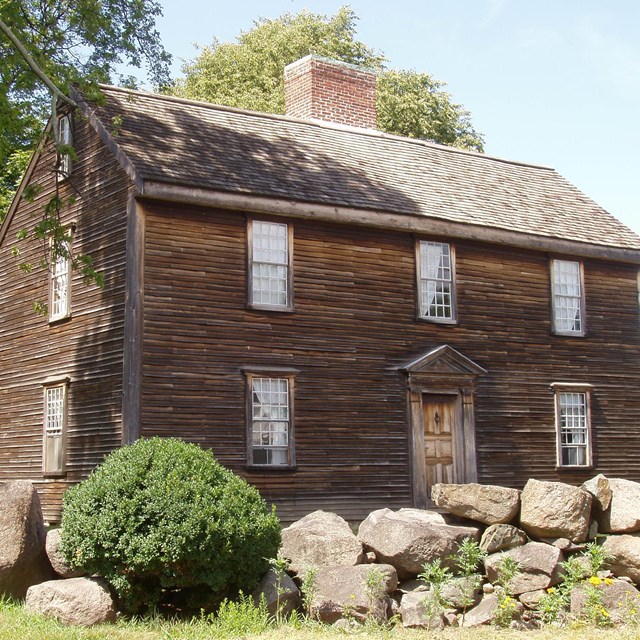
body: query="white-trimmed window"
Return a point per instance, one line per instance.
(567, 292)
(270, 265)
(270, 424)
(436, 281)
(64, 140)
(60, 285)
(573, 424)
(55, 427)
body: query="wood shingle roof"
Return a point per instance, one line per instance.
(193, 144)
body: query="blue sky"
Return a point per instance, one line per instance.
(552, 82)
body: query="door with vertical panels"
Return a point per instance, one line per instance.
(439, 429)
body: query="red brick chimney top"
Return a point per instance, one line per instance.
(323, 89)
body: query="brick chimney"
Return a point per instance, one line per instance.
(322, 89)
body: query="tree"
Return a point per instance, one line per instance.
(71, 42)
(249, 74)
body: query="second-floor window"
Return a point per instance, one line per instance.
(567, 294)
(436, 281)
(270, 265)
(60, 285)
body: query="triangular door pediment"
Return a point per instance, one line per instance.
(443, 360)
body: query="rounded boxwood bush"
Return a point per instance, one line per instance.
(162, 521)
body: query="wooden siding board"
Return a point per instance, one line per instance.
(354, 322)
(88, 346)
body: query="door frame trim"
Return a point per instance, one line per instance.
(442, 371)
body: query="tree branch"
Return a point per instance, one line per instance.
(34, 66)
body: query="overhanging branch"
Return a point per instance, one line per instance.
(34, 66)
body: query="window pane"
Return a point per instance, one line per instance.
(270, 420)
(567, 296)
(573, 428)
(436, 281)
(270, 268)
(54, 411)
(53, 429)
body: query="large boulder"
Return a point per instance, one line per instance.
(279, 592)
(23, 559)
(417, 613)
(624, 551)
(320, 539)
(78, 601)
(499, 537)
(539, 566)
(408, 538)
(555, 510)
(359, 592)
(600, 490)
(462, 592)
(483, 613)
(623, 514)
(485, 503)
(57, 560)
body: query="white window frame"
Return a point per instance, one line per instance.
(269, 421)
(64, 138)
(447, 279)
(55, 424)
(573, 424)
(60, 283)
(560, 298)
(280, 260)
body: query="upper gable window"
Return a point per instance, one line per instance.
(60, 286)
(567, 294)
(270, 265)
(436, 281)
(65, 140)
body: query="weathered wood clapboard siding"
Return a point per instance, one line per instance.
(87, 347)
(353, 326)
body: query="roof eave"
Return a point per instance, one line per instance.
(167, 192)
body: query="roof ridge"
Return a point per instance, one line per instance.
(325, 125)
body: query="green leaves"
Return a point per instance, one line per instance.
(73, 42)
(248, 74)
(162, 515)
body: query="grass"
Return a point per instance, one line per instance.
(15, 624)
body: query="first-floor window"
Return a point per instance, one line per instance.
(271, 421)
(55, 426)
(573, 425)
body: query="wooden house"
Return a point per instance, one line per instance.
(344, 316)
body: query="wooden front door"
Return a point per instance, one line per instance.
(440, 415)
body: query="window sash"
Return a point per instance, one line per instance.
(59, 288)
(270, 264)
(270, 421)
(436, 281)
(568, 297)
(574, 428)
(55, 425)
(64, 138)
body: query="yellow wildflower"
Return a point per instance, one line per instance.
(608, 580)
(551, 590)
(595, 580)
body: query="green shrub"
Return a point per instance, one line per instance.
(162, 521)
